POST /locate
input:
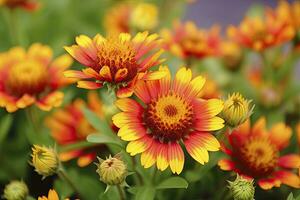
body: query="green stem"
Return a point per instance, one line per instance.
(12, 23)
(140, 178)
(63, 176)
(121, 192)
(31, 117)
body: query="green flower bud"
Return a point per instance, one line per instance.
(15, 190)
(112, 171)
(45, 160)
(242, 189)
(236, 110)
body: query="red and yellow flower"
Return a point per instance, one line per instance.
(29, 5)
(68, 125)
(255, 153)
(187, 40)
(170, 113)
(24, 78)
(260, 33)
(119, 61)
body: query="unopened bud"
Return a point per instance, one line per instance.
(15, 190)
(236, 110)
(242, 189)
(44, 160)
(112, 171)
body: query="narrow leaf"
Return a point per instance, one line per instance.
(173, 182)
(103, 139)
(5, 124)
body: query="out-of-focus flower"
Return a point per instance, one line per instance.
(15, 190)
(211, 89)
(170, 112)
(242, 189)
(290, 11)
(236, 110)
(186, 40)
(260, 33)
(255, 153)
(24, 78)
(112, 171)
(298, 133)
(269, 95)
(44, 160)
(29, 5)
(52, 195)
(231, 54)
(144, 16)
(68, 125)
(116, 19)
(118, 61)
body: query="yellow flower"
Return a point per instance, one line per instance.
(236, 110)
(44, 160)
(166, 114)
(24, 78)
(52, 195)
(144, 16)
(15, 190)
(112, 171)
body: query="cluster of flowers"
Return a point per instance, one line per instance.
(160, 114)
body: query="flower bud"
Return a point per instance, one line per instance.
(44, 160)
(112, 171)
(236, 110)
(144, 16)
(242, 189)
(15, 190)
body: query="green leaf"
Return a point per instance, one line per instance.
(173, 182)
(95, 121)
(103, 139)
(145, 193)
(5, 124)
(290, 197)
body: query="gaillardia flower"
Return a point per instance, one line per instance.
(118, 61)
(112, 171)
(24, 78)
(255, 154)
(170, 113)
(260, 33)
(236, 110)
(68, 125)
(52, 195)
(186, 40)
(15, 190)
(29, 5)
(44, 160)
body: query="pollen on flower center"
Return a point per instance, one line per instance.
(27, 77)
(117, 60)
(169, 117)
(259, 156)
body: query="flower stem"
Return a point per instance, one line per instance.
(121, 192)
(63, 176)
(140, 178)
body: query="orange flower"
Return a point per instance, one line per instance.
(116, 61)
(52, 195)
(260, 33)
(211, 89)
(116, 19)
(171, 113)
(290, 12)
(255, 153)
(24, 78)
(29, 5)
(186, 40)
(68, 125)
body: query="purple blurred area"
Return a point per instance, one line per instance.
(208, 12)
